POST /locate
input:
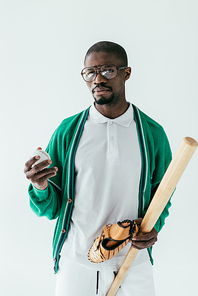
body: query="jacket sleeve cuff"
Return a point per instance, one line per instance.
(41, 194)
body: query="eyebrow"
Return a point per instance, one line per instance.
(89, 68)
(98, 66)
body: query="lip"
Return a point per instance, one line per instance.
(101, 93)
(100, 90)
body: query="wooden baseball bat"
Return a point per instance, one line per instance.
(158, 203)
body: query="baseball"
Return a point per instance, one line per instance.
(43, 156)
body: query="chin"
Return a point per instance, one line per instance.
(104, 101)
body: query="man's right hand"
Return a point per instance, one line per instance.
(39, 174)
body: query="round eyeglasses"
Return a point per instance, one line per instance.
(107, 71)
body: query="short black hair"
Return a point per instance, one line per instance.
(109, 47)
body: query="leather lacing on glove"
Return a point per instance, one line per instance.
(112, 240)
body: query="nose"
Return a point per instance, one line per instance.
(99, 78)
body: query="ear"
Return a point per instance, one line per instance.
(127, 73)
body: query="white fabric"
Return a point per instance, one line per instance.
(108, 167)
(74, 279)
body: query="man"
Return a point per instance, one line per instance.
(107, 163)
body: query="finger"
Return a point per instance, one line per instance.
(34, 176)
(141, 246)
(30, 162)
(46, 177)
(43, 179)
(46, 172)
(35, 169)
(146, 236)
(144, 244)
(42, 165)
(138, 221)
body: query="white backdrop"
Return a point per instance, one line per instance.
(42, 47)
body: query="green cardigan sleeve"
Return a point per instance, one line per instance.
(159, 156)
(162, 160)
(45, 202)
(48, 202)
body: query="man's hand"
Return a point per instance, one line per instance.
(146, 240)
(39, 174)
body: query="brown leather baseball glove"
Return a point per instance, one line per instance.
(112, 240)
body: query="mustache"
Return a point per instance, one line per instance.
(101, 85)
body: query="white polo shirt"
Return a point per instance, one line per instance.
(107, 168)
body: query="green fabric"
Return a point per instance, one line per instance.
(58, 199)
(158, 158)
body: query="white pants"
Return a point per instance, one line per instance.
(74, 279)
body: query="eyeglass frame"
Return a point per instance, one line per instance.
(98, 68)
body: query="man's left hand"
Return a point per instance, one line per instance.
(145, 240)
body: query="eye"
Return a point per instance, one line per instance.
(89, 72)
(108, 70)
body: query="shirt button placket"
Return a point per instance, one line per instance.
(111, 137)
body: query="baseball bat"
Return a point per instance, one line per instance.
(162, 195)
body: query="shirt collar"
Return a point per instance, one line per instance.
(124, 120)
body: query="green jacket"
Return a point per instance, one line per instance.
(58, 199)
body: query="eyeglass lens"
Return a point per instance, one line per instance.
(108, 72)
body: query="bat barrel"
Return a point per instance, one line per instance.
(169, 182)
(165, 189)
(190, 141)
